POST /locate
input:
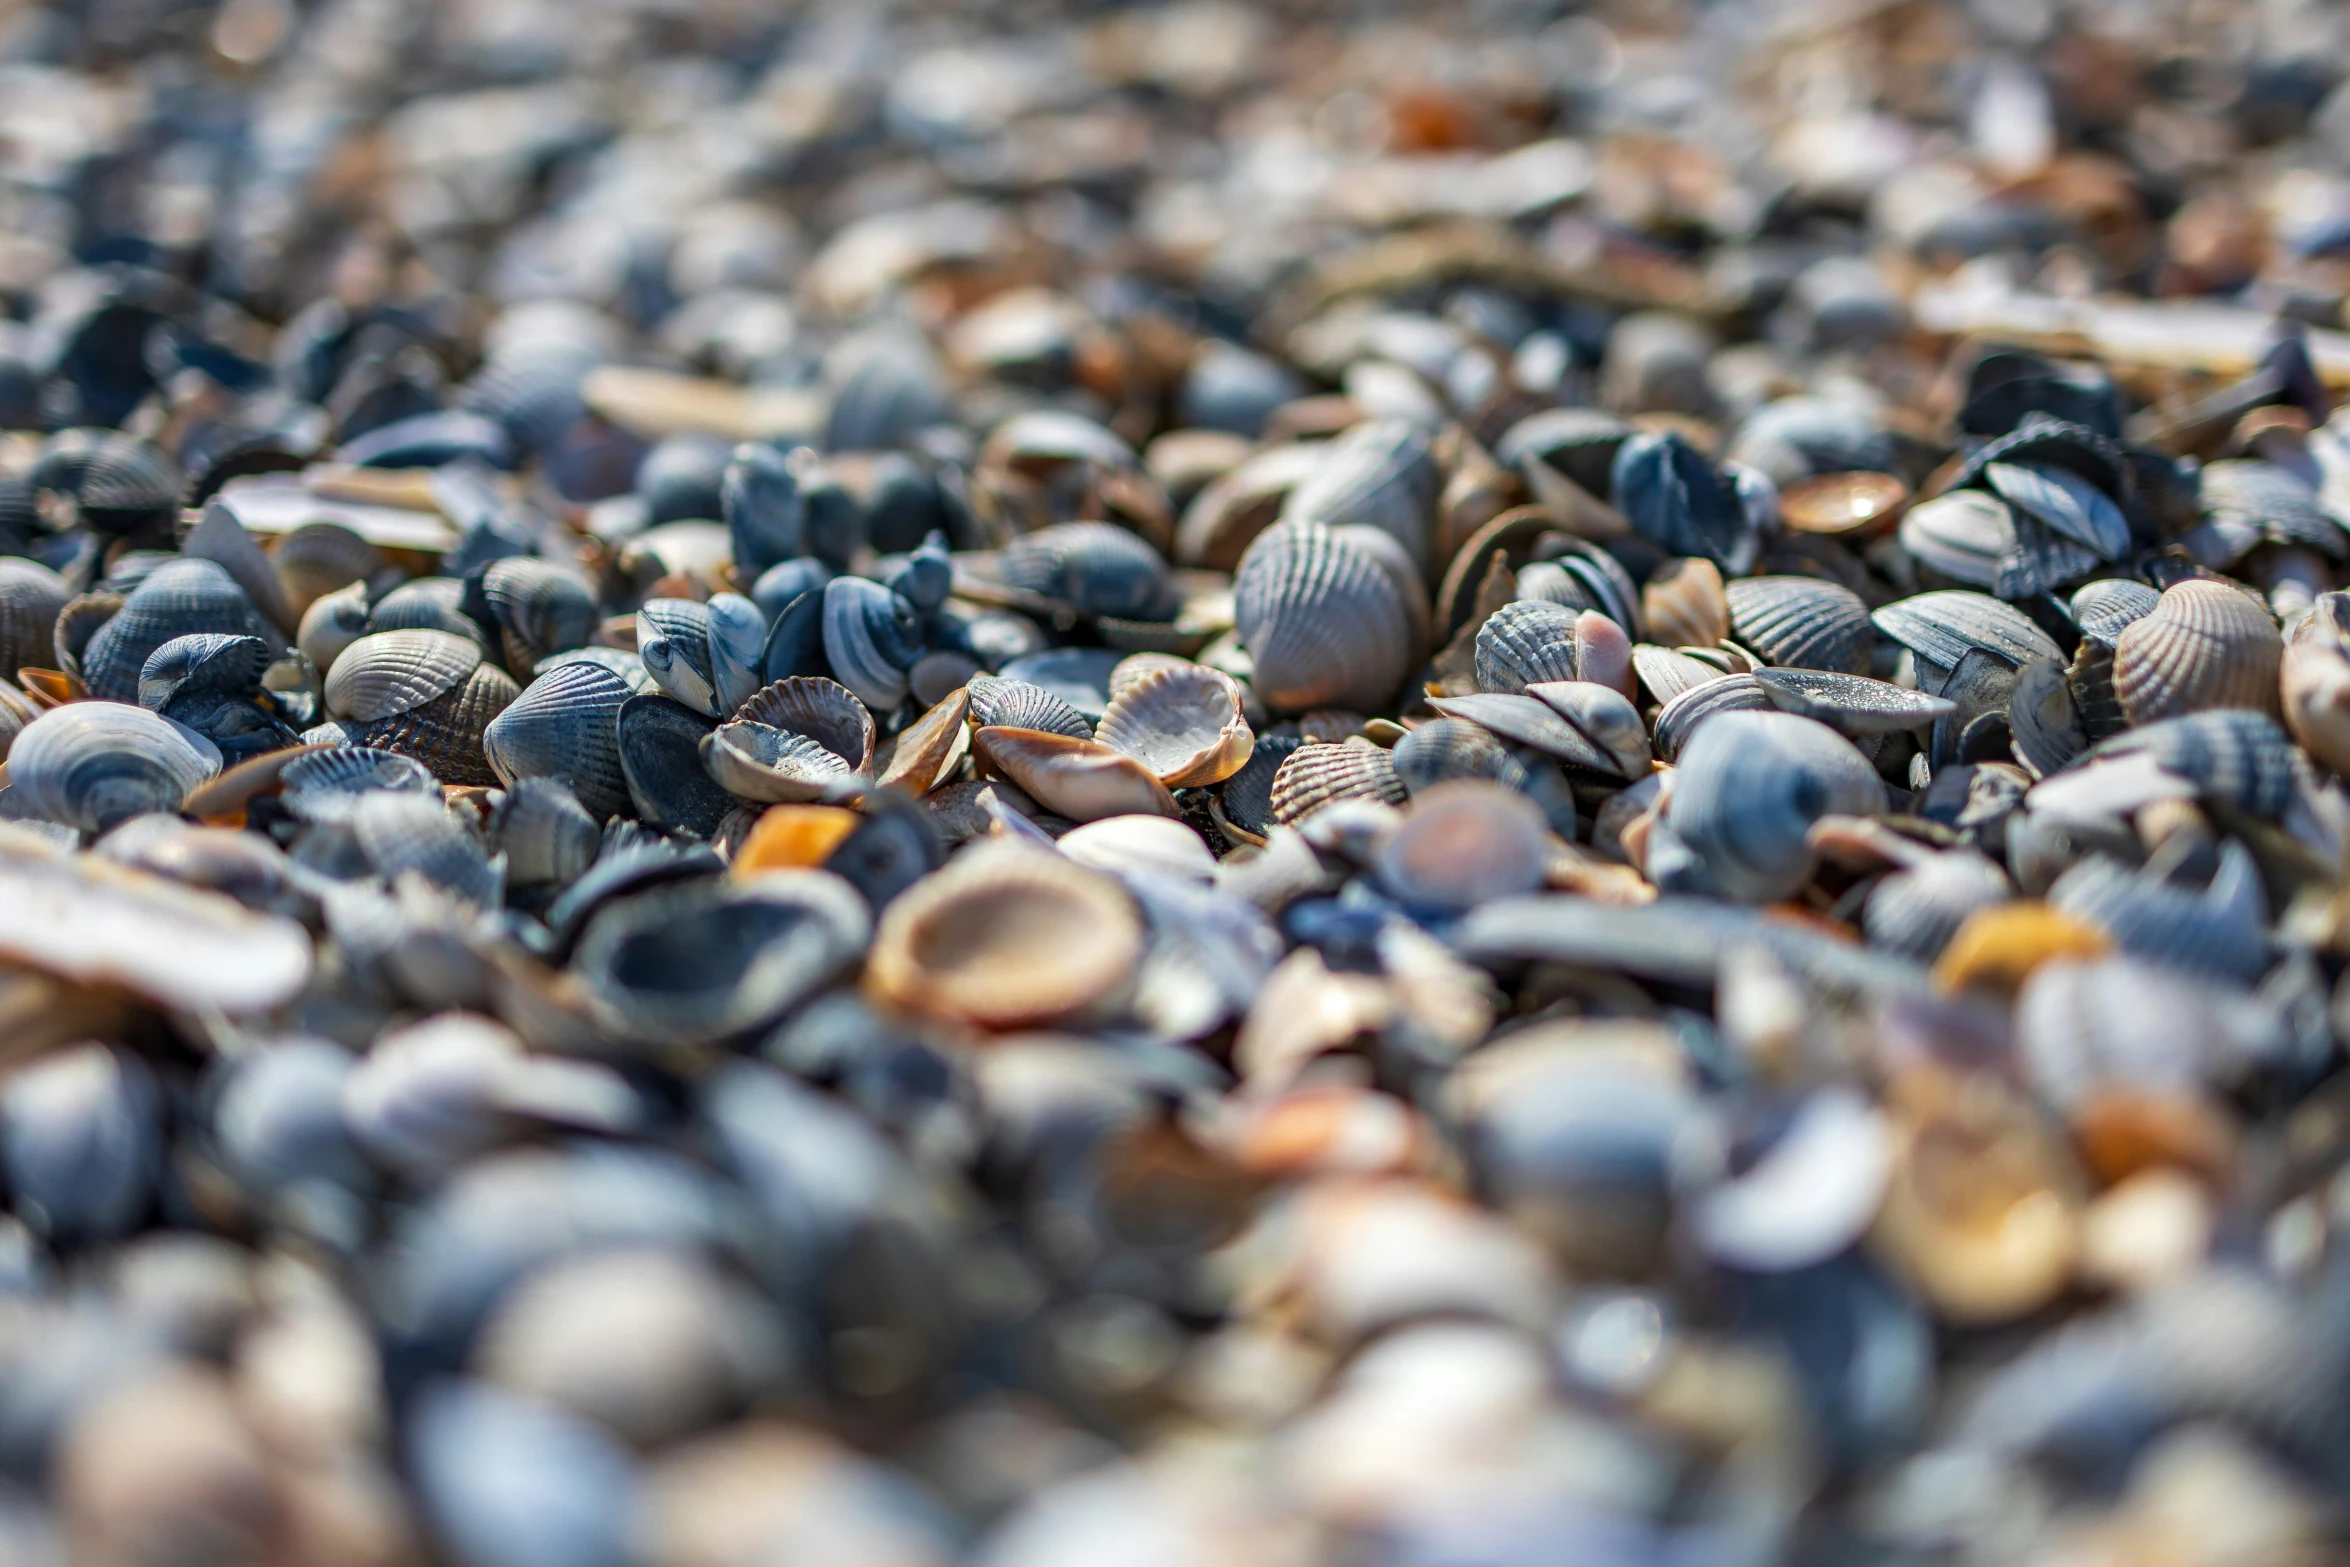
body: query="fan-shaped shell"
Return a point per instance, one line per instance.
(1801, 623)
(566, 725)
(1450, 748)
(2104, 607)
(30, 597)
(1006, 936)
(824, 711)
(400, 831)
(1080, 779)
(539, 608)
(207, 661)
(1685, 603)
(1679, 718)
(1325, 624)
(1916, 911)
(325, 785)
(1183, 724)
(757, 761)
(1317, 775)
(89, 765)
(999, 703)
(1525, 643)
(1380, 474)
(2205, 645)
(391, 672)
(446, 733)
(1748, 788)
(2220, 930)
(546, 835)
(319, 558)
(426, 604)
(178, 598)
(1941, 628)
(1094, 568)
(2233, 756)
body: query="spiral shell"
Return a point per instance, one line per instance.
(1183, 724)
(1325, 624)
(2205, 645)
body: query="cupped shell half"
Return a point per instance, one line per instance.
(1083, 780)
(1183, 723)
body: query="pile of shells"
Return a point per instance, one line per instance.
(1186, 784)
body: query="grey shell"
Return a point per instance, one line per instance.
(1748, 788)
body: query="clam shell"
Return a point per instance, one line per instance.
(545, 834)
(823, 710)
(539, 610)
(1450, 748)
(30, 597)
(2043, 725)
(1916, 911)
(1853, 705)
(1247, 795)
(400, 832)
(673, 639)
(16, 711)
(2220, 931)
(2247, 501)
(1801, 623)
(447, 733)
(1152, 844)
(2102, 608)
(566, 725)
(331, 624)
(1079, 779)
(1856, 502)
(326, 786)
(1603, 716)
(1462, 843)
(2314, 681)
(1380, 474)
(1665, 673)
(1017, 704)
(2082, 1025)
(932, 746)
(2232, 756)
(1314, 776)
(2064, 502)
(1678, 719)
(1094, 568)
(1183, 724)
(1006, 936)
(661, 750)
(1748, 788)
(90, 765)
(2205, 645)
(1325, 623)
(1966, 535)
(1523, 643)
(757, 761)
(391, 672)
(1685, 603)
(319, 558)
(426, 604)
(80, 620)
(870, 640)
(1941, 628)
(711, 959)
(178, 598)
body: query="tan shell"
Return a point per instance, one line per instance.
(2206, 645)
(1083, 780)
(1327, 620)
(1136, 665)
(1684, 604)
(824, 710)
(331, 624)
(2315, 681)
(1006, 936)
(320, 557)
(445, 732)
(1465, 842)
(78, 621)
(931, 746)
(1226, 517)
(1183, 724)
(16, 711)
(391, 672)
(1843, 503)
(1313, 776)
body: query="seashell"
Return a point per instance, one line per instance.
(82, 1132)
(1381, 474)
(2064, 502)
(327, 785)
(2205, 645)
(1941, 628)
(709, 960)
(1678, 719)
(931, 747)
(2102, 608)
(1968, 536)
(2314, 681)
(1017, 704)
(2232, 756)
(2084, 1026)
(756, 761)
(1080, 779)
(870, 640)
(16, 710)
(538, 610)
(1226, 516)
(1134, 666)
(1465, 842)
(219, 537)
(1247, 796)
(1006, 936)
(446, 733)
(1856, 503)
(738, 639)
(206, 662)
(1674, 499)
(1801, 623)
(1853, 705)
(620, 661)
(566, 725)
(1585, 577)
(402, 832)
(1665, 673)
(1324, 622)
(1094, 568)
(1684, 603)
(391, 672)
(1532, 722)
(90, 765)
(427, 604)
(545, 835)
(2043, 725)
(1315, 776)
(178, 598)
(1603, 716)
(1747, 789)
(661, 749)
(1793, 438)
(1152, 844)
(319, 558)
(1184, 725)
(823, 710)
(1915, 911)
(2247, 501)
(78, 622)
(331, 624)
(1524, 643)
(2219, 931)
(1079, 676)
(1806, 1195)
(1450, 748)
(761, 504)
(673, 639)
(31, 595)
(476, 1453)
(1580, 443)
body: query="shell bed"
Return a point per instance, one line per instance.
(1187, 784)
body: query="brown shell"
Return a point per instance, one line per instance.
(930, 746)
(390, 672)
(16, 711)
(444, 733)
(1006, 936)
(2316, 682)
(1684, 604)
(1859, 503)
(824, 710)
(1313, 776)
(2205, 645)
(78, 620)
(1183, 724)
(1080, 779)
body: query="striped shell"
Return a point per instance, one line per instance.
(2205, 645)
(547, 837)
(325, 786)
(89, 765)
(447, 733)
(30, 597)
(565, 725)
(1019, 704)
(1183, 724)
(673, 638)
(1801, 623)
(1685, 603)
(1094, 568)
(1450, 748)
(1248, 794)
(1317, 775)
(178, 598)
(538, 608)
(1326, 624)
(1526, 643)
(390, 672)
(755, 761)
(823, 710)
(1380, 474)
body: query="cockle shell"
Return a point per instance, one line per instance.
(1314, 776)
(2315, 681)
(181, 596)
(566, 724)
(1525, 642)
(999, 703)
(1685, 603)
(30, 597)
(823, 710)
(2205, 645)
(1184, 724)
(1801, 623)
(1463, 843)
(89, 765)
(1325, 623)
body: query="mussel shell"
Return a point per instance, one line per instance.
(1247, 795)
(1184, 724)
(661, 757)
(180, 597)
(90, 765)
(1748, 788)
(1314, 776)
(1673, 498)
(1801, 623)
(2043, 724)
(1795, 437)
(870, 639)
(710, 960)
(673, 639)
(1094, 568)
(2205, 645)
(1325, 623)
(1019, 704)
(738, 640)
(326, 785)
(566, 724)
(1966, 535)
(2063, 501)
